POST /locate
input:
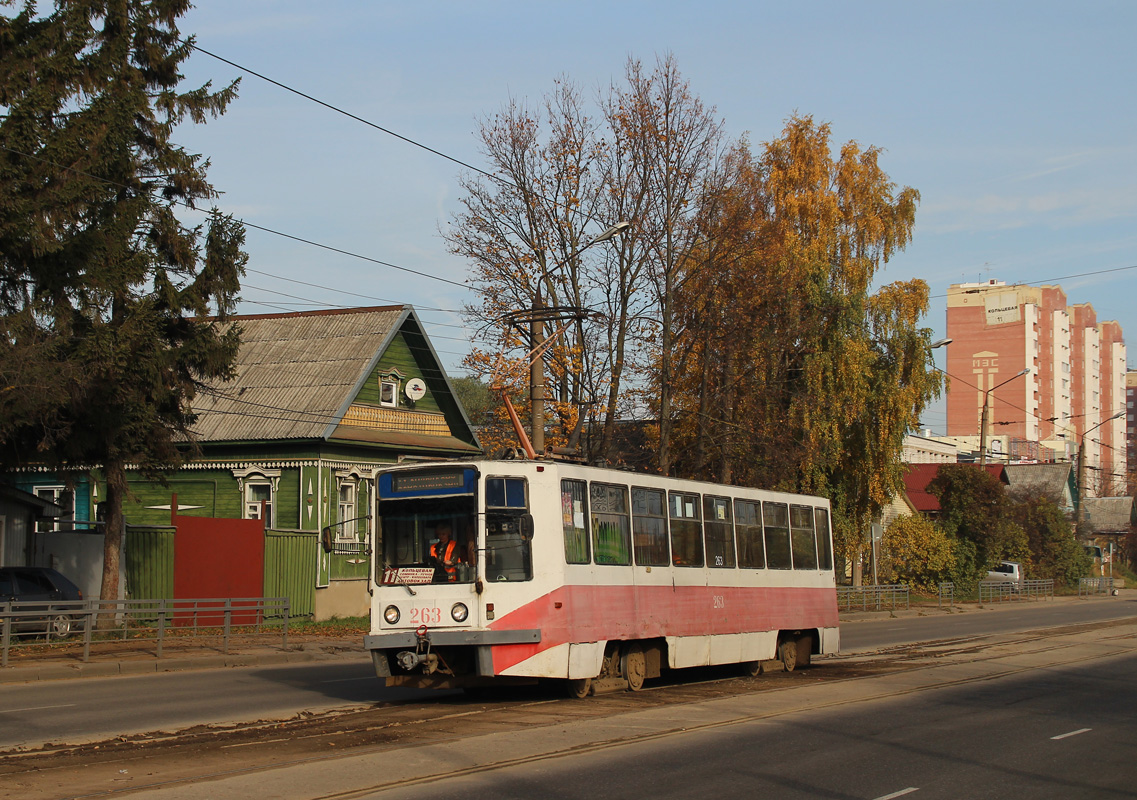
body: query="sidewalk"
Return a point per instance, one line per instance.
(130, 658)
(926, 609)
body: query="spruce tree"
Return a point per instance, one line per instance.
(108, 295)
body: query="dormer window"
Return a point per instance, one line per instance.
(388, 393)
(389, 384)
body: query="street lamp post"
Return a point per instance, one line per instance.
(1081, 516)
(983, 418)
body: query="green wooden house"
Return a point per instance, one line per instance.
(321, 401)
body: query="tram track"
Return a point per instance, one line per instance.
(200, 755)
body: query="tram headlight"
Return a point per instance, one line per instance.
(391, 614)
(459, 612)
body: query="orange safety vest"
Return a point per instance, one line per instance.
(451, 571)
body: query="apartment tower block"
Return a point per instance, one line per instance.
(1076, 383)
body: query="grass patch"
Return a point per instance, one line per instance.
(336, 626)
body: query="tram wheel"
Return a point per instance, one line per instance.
(789, 654)
(579, 688)
(633, 666)
(754, 668)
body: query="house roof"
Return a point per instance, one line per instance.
(296, 374)
(1109, 514)
(1053, 479)
(44, 509)
(918, 476)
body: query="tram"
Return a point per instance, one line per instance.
(492, 572)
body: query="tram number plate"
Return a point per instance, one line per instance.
(719, 601)
(426, 616)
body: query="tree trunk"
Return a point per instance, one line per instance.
(665, 391)
(112, 539)
(611, 409)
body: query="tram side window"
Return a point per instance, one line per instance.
(801, 533)
(505, 493)
(686, 529)
(574, 515)
(611, 534)
(718, 530)
(776, 521)
(508, 553)
(649, 528)
(824, 542)
(748, 530)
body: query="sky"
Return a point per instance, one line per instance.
(1015, 121)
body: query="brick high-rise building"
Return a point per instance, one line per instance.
(1075, 384)
(1131, 429)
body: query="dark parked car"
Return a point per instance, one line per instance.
(39, 586)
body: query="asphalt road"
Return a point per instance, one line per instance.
(76, 711)
(1012, 617)
(1058, 733)
(86, 710)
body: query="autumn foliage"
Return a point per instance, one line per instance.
(739, 315)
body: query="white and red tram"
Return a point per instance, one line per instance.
(599, 577)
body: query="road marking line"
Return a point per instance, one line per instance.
(35, 708)
(250, 744)
(1071, 733)
(901, 793)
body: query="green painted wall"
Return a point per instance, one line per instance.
(411, 362)
(215, 491)
(288, 499)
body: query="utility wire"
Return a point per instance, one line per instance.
(246, 223)
(358, 294)
(496, 178)
(339, 110)
(1048, 280)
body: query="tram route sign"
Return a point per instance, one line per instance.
(408, 575)
(417, 483)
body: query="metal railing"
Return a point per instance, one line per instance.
(871, 598)
(1089, 586)
(31, 624)
(946, 592)
(998, 591)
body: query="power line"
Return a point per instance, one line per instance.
(1050, 280)
(356, 294)
(1012, 405)
(249, 224)
(341, 251)
(339, 110)
(496, 178)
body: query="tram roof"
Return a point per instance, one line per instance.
(632, 478)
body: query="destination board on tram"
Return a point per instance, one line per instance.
(427, 481)
(423, 483)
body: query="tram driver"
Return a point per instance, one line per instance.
(445, 555)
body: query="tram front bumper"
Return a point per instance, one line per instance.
(382, 644)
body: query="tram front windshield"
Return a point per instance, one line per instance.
(429, 533)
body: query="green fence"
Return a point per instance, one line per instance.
(149, 556)
(290, 569)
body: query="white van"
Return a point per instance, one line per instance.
(1006, 571)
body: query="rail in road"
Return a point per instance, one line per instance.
(396, 746)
